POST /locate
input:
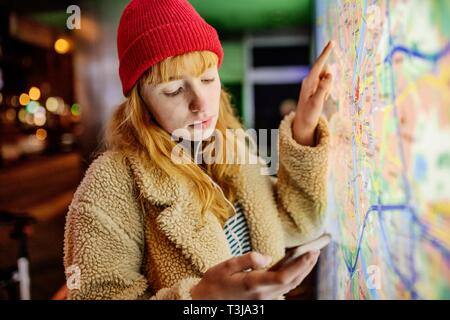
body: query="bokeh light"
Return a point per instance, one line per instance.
(62, 46)
(34, 93)
(24, 99)
(10, 115)
(22, 114)
(14, 101)
(52, 104)
(75, 109)
(32, 107)
(40, 116)
(41, 134)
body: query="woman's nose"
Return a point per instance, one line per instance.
(198, 102)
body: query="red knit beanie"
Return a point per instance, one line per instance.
(153, 30)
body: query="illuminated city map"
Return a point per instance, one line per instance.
(389, 173)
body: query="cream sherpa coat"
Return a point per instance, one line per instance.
(118, 247)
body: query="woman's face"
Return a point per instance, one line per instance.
(187, 107)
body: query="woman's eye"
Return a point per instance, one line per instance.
(208, 80)
(173, 94)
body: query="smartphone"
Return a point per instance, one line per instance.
(294, 253)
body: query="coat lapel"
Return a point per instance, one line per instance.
(204, 244)
(257, 198)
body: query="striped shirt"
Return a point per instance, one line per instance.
(236, 232)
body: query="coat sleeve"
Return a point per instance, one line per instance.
(104, 239)
(300, 188)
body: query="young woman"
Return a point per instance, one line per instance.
(143, 225)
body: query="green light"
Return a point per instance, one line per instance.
(75, 109)
(32, 107)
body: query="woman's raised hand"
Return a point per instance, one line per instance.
(314, 92)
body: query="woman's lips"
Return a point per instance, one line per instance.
(202, 125)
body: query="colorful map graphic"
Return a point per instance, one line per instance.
(389, 180)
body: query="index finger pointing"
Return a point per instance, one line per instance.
(320, 62)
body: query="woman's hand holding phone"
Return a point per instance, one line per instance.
(295, 252)
(230, 280)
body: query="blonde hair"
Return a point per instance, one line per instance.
(133, 130)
